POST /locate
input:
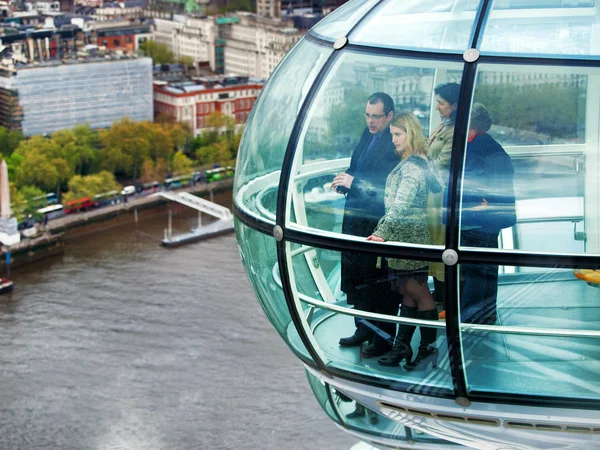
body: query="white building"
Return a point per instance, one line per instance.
(255, 45)
(52, 95)
(188, 36)
(245, 45)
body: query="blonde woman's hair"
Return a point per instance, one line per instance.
(415, 141)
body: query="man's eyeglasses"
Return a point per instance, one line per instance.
(374, 116)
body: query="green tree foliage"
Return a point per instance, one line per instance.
(125, 148)
(43, 164)
(181, 163)
(219, 143)
(9, 141)
(127, 145)
(17, 202)
(346, 123)
(545, 109)
(91, 185)
(159, 53)
(186, 61)
(236, 5)
(13, 162)
(26, 201)
(77, 148)
(31, 195)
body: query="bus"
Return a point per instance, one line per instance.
(52, 211)
(44, 200)
(180, 181)
(148, 188)
(219, 173)
(107, 198)
(81, 204)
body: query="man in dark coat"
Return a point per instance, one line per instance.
(363, 183)
(488, 206)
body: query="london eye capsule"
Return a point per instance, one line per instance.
(417, 203)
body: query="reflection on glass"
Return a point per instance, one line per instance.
(566, 31)
(561, 300)
(537, 117)
(259, 256)
(406, 352)
(339, 24)
(359, 418)
(535, 106)
(342, 172)
(263, 144)
(418, 24)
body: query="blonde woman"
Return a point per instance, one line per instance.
(405, 220)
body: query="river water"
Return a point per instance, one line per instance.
(121, 344)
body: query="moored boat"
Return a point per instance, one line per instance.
(6, 285)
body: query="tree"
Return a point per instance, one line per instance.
(26, 201)
(220, 122)
(148, 174)
(125, 147)
(9, 141)
(13, 163)
(546, 110)
(77, 148)
(181, 163)
(91, 185)
(159, 53)
(17, 202)
(43, 164)
(206, 155)
(186, 61)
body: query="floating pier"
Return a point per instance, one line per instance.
(223, 225)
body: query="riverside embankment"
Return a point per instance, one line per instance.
(52, 240)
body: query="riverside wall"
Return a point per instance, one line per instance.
(52, 240)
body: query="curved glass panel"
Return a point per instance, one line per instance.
(363, 420)
(560, 359)
(328, 283)
(259, 257)
(269, 127)
(419, 25)
(341, 21)
(530, 178)
(348, 175)
(544, 28)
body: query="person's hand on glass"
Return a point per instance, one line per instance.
(375, 238)
(342, 183)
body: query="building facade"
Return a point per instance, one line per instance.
(188, 36)
(254, 46)
(44, 99)
(268, 8)
(192, 102)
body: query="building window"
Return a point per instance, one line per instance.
(128, 40)
(116, 42)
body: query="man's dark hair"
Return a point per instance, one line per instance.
(448, 91)
(480, 118)
(388, 103)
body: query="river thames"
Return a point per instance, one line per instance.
(121, 344)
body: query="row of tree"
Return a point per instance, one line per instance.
(82, 162)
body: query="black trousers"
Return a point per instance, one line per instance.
(479, 293)
(375, 296)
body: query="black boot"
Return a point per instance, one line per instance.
(427, 352)
(401, 349)
(362, 334)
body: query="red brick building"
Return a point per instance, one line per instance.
(193, 101)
